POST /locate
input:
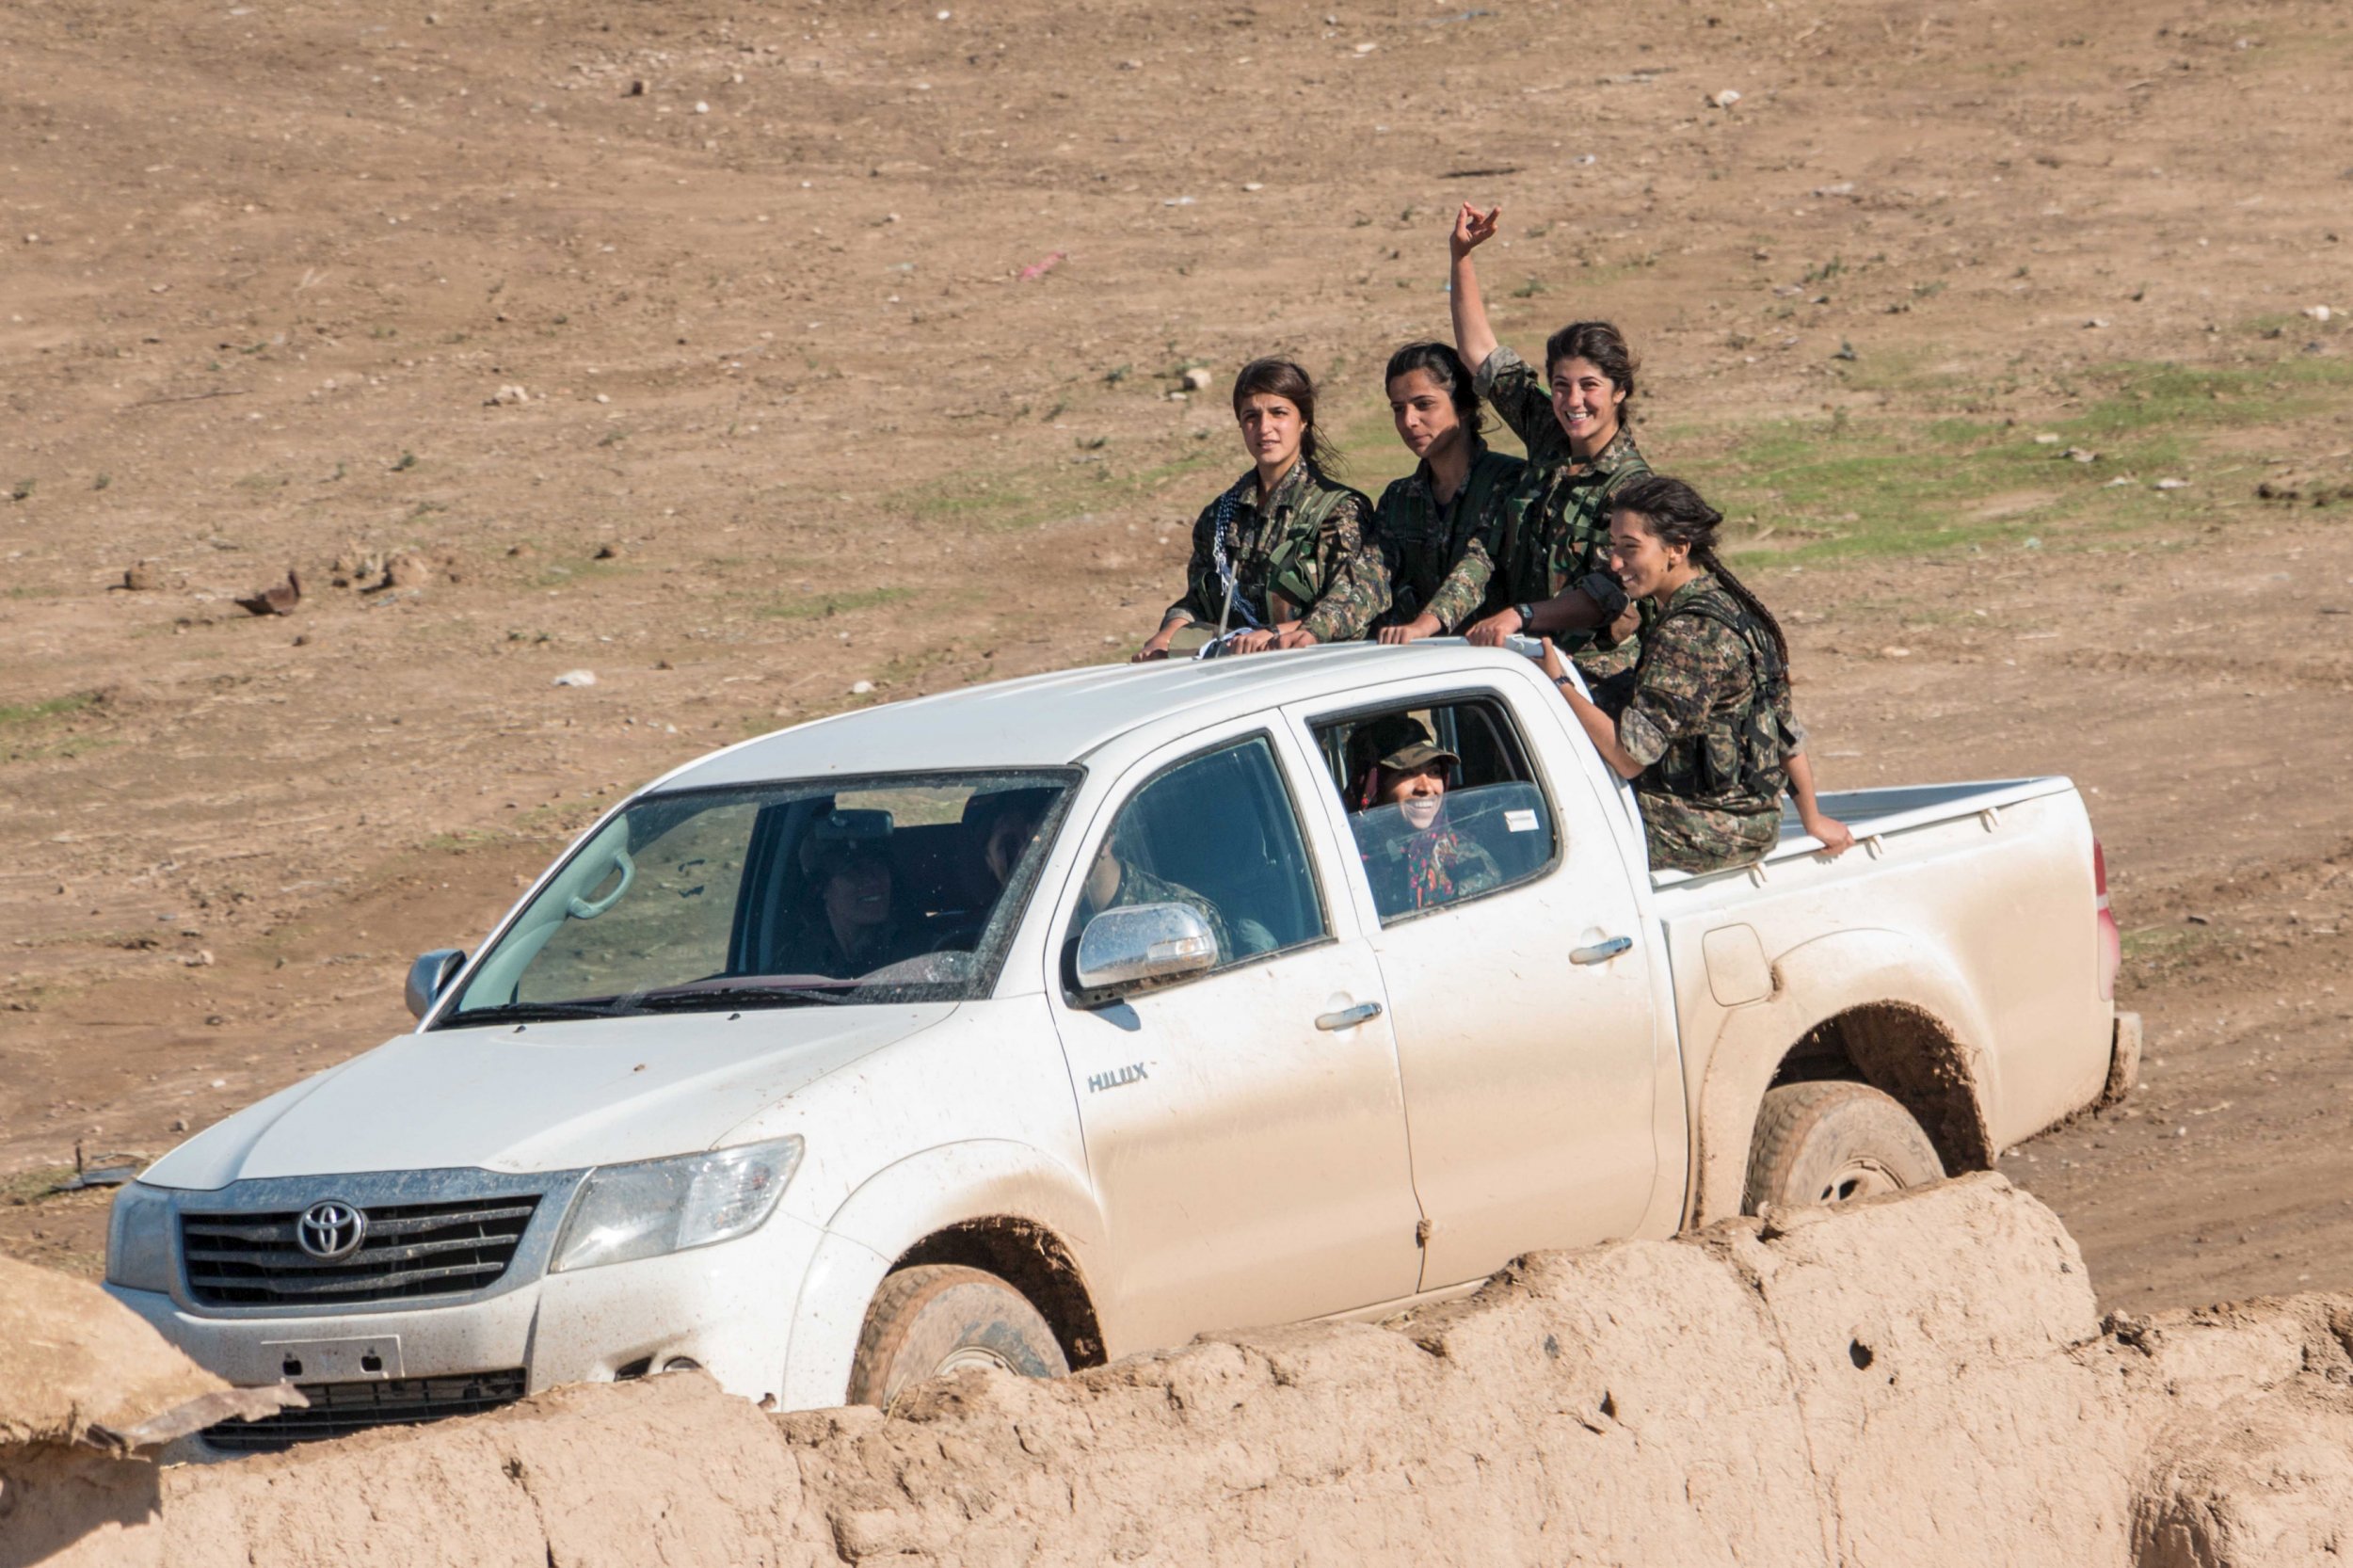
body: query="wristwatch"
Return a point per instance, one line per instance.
(1528, 615)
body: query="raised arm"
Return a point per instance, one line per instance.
(1473, 338)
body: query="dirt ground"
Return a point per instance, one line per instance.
(740, 354)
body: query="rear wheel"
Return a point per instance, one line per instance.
(1832, 1142)
(936, 1318)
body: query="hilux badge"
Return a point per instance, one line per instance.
(332, 1230)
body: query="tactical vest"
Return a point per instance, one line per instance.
(1744, 754)
(1292, 576)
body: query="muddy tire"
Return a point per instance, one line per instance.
(1832, 1142)
(2123, 1061)
(939, 1318)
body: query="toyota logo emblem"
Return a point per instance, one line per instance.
(331, 1231)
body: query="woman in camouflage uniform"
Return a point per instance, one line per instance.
(1702, 723)
(1413, 857)
(1441, 523)
(1286, 557)
(1553, 559)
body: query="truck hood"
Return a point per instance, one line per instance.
(550, 1098)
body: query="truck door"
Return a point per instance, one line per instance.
(1244, 1127)
(1519, 983)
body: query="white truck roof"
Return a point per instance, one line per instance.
(1056, 719)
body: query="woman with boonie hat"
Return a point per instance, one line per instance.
(1413, 858)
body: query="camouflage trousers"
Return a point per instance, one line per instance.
(1683, 837)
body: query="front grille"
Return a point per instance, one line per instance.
(340, 1409)
(409, 1250)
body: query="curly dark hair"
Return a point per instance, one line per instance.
(1606, 346)
(1675, 513)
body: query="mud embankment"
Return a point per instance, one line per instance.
(1920, 1381)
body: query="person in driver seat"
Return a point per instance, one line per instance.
(1115, 882)
(1413, 857)
(854, 927)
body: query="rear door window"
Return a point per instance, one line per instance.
(1467, 816)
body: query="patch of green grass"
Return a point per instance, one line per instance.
(1029, 497)
(2155, 952)
(24, 713)
(33, 1185)
(1893, 484)
(817, 606)
(462, 840)
(557, 819)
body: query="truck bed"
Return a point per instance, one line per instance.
(1883, 813)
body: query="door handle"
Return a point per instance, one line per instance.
(1348, 1017)
(1601, 952)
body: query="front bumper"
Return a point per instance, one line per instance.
(726, 1308)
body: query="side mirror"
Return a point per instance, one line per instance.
(431, 975)
(1145, 942)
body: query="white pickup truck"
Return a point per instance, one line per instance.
(1039, 1023)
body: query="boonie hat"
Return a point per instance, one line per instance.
(841, 836)
(1398, 743)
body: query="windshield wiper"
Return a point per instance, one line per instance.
(536, 1012)
(681, 997)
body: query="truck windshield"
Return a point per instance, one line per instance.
(895, 888)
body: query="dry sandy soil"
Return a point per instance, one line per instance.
(792, 418)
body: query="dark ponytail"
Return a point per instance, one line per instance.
(1439, 362)
(1675, 513)
(1284, 379)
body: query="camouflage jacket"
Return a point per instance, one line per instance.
(1705, 708)
(1441, 559)
(1557, 526)
(1424, 870)
(1309, 554)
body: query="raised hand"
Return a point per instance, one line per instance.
(1473, 229)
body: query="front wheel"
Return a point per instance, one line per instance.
(1832, 1142)
(935, 1318)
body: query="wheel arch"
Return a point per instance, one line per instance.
(1005, 1207)
(1872, 1005)
(1033, 1261)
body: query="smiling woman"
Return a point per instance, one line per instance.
(1701, 725)
(1285, 558)
(1552, 561)
(781, 895)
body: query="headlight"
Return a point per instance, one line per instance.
(138, 1238)
(662, 1206)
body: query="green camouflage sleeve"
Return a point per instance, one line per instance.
(1199, 570)
(1465, 590)
(1792, 733)
(1690, 663)
(1475, 871)
(1512, 386)
(1355, 579)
